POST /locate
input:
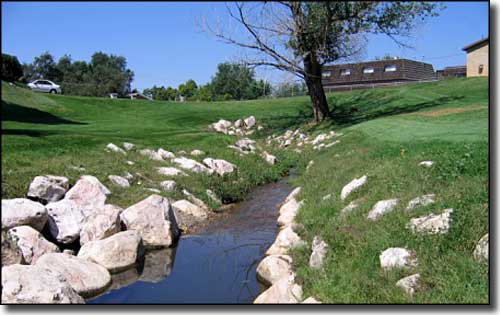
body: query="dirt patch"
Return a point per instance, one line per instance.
(449, 111)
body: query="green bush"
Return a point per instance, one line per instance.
(11, 68)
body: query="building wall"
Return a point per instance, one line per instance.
(475, 58)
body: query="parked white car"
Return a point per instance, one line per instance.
(45, 86)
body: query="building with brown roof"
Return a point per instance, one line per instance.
(477, 58)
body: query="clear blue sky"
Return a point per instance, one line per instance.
(164, 46)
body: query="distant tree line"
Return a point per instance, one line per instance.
(104, 74)
(231, 82)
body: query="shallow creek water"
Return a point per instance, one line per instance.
(215, 265)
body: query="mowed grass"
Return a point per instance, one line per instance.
(386, 133)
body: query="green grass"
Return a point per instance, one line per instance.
(386, 133)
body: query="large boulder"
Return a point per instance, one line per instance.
(155, 221)
(192, 165)
(167, 155)
(188, 213)
(23, 284)
(31, 243)
(48, 188)
(65, 220)
(170, 171)
(246, 145)
(114, 148)
(221, 126)
(128, 146)
(158, 265)
(319, 248)
(271, 159)
(285, 240)
(397, 257)
(152, 155)
(284, 290)
(421, 201)
(352, 186)
(21, 211)
(88, 193)
(104, 223)
(219, 166)
(88, 279)
(288, 212)
(274, 267)
(115, 253)
(11, 253)
(481, 252)
(293, 194)
(119, 181)
(382, 207)
(168, 185)
(409, 284)
(249, 122)
(432, 223)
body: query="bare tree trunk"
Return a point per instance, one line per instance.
(313, 81)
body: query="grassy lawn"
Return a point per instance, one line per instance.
(386, 132)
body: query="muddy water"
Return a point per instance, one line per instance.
(215, 265)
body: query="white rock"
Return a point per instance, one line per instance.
(311, 300)
(351, 206)
(221, 126)
(285, 240)
(249, 122)
(128, 176)
(309, 165)
(155, 221)
(284, 290)
(219, 166)
(481, 252)
(421, 201)
(426, 163)
(48, 188)
(86, 278)
(65, 220)
(382, 207)
(259, 128)
(77, 168)
(326, 197)
(186, 207)
(119, 181)
(197, 152)
(319, 138)
(271, 159)
(167, 155)
(288, 212)
(32, 244)
(331, 144)
(128, 146)
(23, 284)
(21, 211)
(409, 284)
(396, 257)
(130, 163)
(88, 193)
(238, 123)
(192, 165)
(231, 132)
(432, 223)
(213, 196)
(319, 248)
(274, 267)
(152, 155)
(238, 149)
(170, 171)
(293, 194)
(11, 253)
(114, 148)
(102, 224)
(115, 253)
(246, 144)
(153, 190)
(352, 186)
(181, 152)
(195, 200)
(168, 185)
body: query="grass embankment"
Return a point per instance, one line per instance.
(386, 133)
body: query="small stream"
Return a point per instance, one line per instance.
(215, 265)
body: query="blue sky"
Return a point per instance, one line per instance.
(164, 45)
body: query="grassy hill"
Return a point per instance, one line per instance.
(386, 133)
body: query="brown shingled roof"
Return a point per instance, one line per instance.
(474, 44)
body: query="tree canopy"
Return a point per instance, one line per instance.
(11, 68)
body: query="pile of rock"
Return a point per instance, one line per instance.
(112, 239)
(241, 127)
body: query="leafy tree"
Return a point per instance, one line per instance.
(11, 68)
(234, 79)
(300, 36)
(188, 89)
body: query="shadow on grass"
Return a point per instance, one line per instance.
(281, 123)
(15, 112)
(363, 107)
(27, 132)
